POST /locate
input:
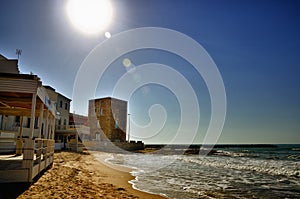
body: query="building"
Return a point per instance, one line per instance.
(27, 119)
(76, 119)
(62, 104)
(9, 66)
(64, 133)
(80, 124)
(108, 119)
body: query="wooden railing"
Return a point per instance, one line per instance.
(37, 156)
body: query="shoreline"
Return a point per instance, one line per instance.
(82, 175)
(103, 157)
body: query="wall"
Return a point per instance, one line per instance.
(63, 107)
(9, 66)
(108, 118)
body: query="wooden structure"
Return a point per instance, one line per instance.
(24, 96)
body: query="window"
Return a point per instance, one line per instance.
(65, 121)
(35, 125)
(60, 104)
(28, 123)
(66, 106)
(117, 124)
(17, 120)
(36, 122)
(97, 136)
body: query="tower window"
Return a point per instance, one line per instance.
(66, 106)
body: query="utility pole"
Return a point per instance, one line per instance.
(128, 127)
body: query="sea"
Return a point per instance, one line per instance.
(229, 171)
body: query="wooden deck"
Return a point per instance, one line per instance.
(24, 168)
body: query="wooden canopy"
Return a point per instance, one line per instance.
(24, 95)
(17, 93)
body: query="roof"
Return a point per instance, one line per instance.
(16, 92)
(2, 57)
(107, 98)
(59, 94)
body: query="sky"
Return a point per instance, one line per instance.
(255, 46)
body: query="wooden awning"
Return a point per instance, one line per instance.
(16, 93)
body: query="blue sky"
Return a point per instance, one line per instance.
(255, 45)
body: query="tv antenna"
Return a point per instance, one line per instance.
(18, 52)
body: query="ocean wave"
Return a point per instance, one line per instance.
(273, 167)
(244, 153)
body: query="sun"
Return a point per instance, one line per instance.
(90, 16)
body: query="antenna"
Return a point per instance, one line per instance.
(18, 52)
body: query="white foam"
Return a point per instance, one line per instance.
(273, 167)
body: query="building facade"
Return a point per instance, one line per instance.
(108, 119)
(8, 65)
(62, 104)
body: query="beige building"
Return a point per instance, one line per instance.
(8, 65)
(108, 119)
(62, 104)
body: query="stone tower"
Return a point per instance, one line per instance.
(108, 119)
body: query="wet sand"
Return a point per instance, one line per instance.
(79, 175)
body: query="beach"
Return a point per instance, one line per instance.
(80, 175)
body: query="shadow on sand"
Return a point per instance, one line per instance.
(12, 190)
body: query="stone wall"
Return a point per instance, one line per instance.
(108, 119)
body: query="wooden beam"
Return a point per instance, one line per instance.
(46, 125)
(53, 127)
(41, 120)
(32, 117)
(19, 142)
(15, 99)
(18, 111)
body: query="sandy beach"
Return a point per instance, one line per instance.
(76, 175)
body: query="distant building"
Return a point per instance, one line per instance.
(108, 119)
(75, 119)
(80, 124)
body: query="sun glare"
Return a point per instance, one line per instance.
(90, 16)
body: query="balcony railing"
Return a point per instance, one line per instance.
(73, 127)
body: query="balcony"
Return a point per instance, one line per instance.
(72, 128)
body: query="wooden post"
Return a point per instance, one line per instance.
(21, 126)
(41, 120)
(19, 142)
(45, 148)
(50, 127)
(32, 117)
(46, 125)
(53, 127)
(28, 156)
(39, 153)
(76, 134)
